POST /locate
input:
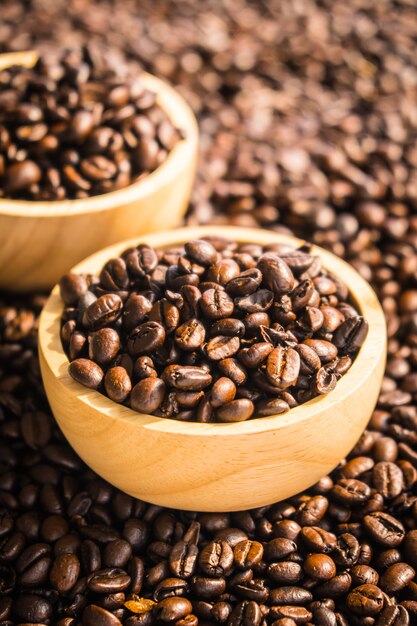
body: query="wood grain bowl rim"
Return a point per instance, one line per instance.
(182, 155)
(367, 361)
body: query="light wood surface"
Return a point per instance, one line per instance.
(39, 241)
(215, 467)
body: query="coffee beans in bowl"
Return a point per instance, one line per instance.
(212, 330)
(77, 126)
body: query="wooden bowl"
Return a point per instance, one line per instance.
(215, 467)
(40, 241)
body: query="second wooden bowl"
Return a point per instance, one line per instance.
(40, 241)
(215, 467)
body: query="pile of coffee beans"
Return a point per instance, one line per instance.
(75, 127)
(211, 331)
(74, 550)
(308, 124)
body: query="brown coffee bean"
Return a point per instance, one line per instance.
(64, 572)
(94, 615)
(221, 347)
(190, 335)
(186, 378)
(72, 287)
(86, 372)
(397, 577)
(285, 572)
(147, 395)
(216, 304)
(103, 345)
(216, 558)
(103, 311)
(365, 600)
(111, 580)
(222, 392)
(20, 176)
(117, 384)
(235, 411)
(290, 596)
(277, 275)
(320, 567)
(387, 479)
(282, 368)
(248, 553)
(384, 529)
(201, 252)
(146, 339)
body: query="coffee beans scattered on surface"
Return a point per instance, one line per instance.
(212, 331)
(307, 120)
(74, 127)
(74, 550)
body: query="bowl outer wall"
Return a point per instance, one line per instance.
(214, 467)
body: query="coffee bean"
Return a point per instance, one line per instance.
(216, 304)
(277, 275)
(248, 553)
(221, 347)
(183, 559)
(117, 384)
(103, 311)
(147, 395)
(297, 614)
(387, 479)
(365, 600)
(222, 392)
(209, 588)
(86, 372)
(97, 616)
(290, 596)
(186, 378)
(396, 577)
(32, 609)
(351, 334)
(146, 339)
(245, 283)
(283, 366)
(235, 411)
(285, 572)
(190, 335)
(64, 572)
(384, 529)
(103, 345)
(320, 567)
(72, 287)
(111, 580)
(245, 613)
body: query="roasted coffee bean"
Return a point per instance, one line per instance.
(183, 559)
(290, 595)
(219, 348)
(186, 378)
(365, 600)
(279, 548)
(297, 614)
(216, 304)
(103, 345)
(245, 613)
(117, 384)
(222, 392)
(277, 275)
(170, 587)
(71, 287)
(171, 609)
(320, 567)
(146, 339)
(397, 577)
(384, 529)
(235, 411)
(209, 588)
(97, 616)
(201, 252)
(318, 539)
(110, 580)
(103, 311)
(65, 572)
(351, 334)
(283, 366)
(245, 283)
(86, 372)
(190, 335)
(216, 558)
(387, 479)
(147, 395)
(32, 609)
(285, 572)
(248, 553)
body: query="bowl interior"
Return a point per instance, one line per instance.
(367, 360)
